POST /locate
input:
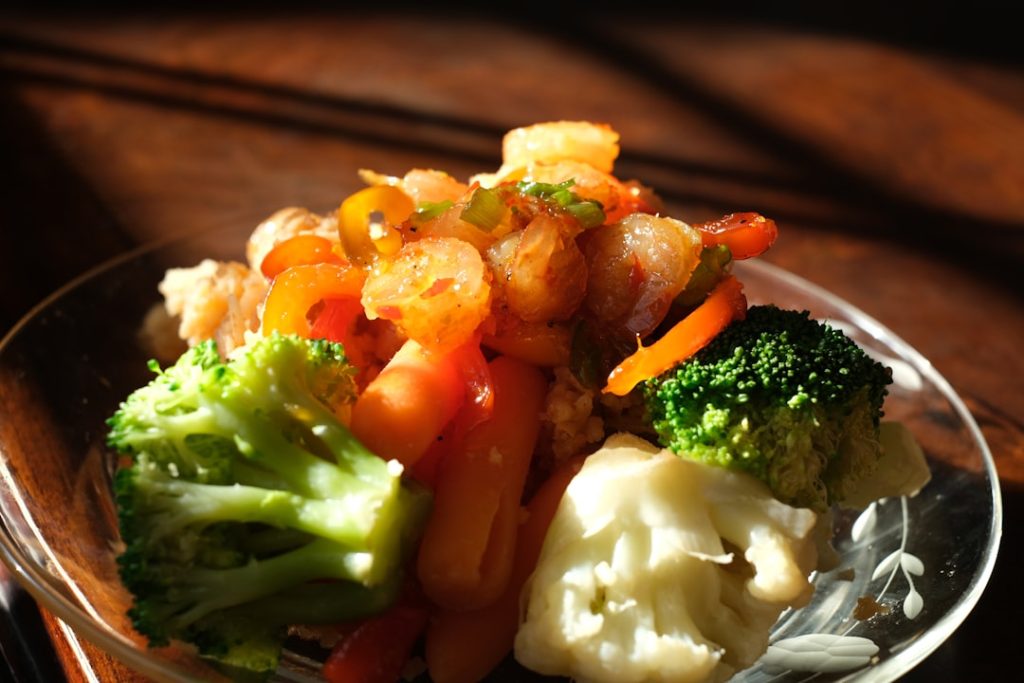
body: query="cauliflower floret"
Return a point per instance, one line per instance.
(656, 568)
(214, 300)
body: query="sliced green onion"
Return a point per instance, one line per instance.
(546, 190)
(589, 213)
(426, 211)
(484, 210)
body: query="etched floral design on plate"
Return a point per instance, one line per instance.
(837, 652)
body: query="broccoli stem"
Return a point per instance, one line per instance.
(323, 602)
(207, 590)
(345, 519)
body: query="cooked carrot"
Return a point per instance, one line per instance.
(467, 551)
(724, 304)
(463, 647)
(406, 407)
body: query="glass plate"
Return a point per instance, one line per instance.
(67, 365)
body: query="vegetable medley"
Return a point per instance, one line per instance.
(525, 414)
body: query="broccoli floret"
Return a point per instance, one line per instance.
(792, 401)
(245, 488)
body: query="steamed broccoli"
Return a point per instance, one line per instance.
(790, 400)
(244, 488)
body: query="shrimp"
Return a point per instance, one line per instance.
(549, 143)
(449, 224)
(436, 291)
(421, 184)
(542, 272)
(636, 268)
(589, 143)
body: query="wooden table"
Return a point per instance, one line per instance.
(896, 173)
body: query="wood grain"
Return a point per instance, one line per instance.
(897, 174)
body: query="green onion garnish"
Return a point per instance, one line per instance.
(560, 192)
(588, 213)
(484, 210)
(426, 211)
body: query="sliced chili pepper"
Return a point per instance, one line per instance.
(746, 234)
(377, 650)
(300, 250)
(725, 304)
(367, 222)
(296, 290)
(335, 319)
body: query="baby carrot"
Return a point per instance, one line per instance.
(405, 408)
(466, 555)
(463, 647)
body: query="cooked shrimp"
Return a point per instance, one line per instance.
(636, 268)
(548, 143)
(590, 143)
(421, 184)
(543, 271)
(436, 291)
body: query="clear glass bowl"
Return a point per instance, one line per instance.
(66, 366)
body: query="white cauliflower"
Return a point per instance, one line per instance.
(656, 568)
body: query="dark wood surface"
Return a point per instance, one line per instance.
(895, 168)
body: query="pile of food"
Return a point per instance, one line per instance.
(525, 414)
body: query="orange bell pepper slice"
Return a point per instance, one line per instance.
(746, 234)
(296, 290)
(724, 304)
(368, 220)
(300, 250)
